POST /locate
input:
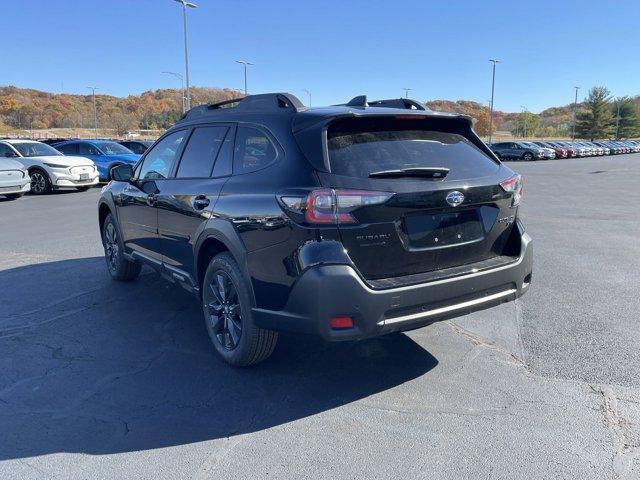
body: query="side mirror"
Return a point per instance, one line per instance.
(122, 173)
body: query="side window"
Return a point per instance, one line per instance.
(68, 149)
(88, 149)
(5, 151)
(157, 163)
(201, 151)
(253, 150)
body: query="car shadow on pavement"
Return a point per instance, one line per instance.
(95, 366)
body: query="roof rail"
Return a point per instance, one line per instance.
(403, 103)
(225, 104)
(359, 101)
(265, 102)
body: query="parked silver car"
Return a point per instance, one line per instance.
(14, 178)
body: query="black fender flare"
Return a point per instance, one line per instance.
(224, 232)
(107, 200)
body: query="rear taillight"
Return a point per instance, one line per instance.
(514, 185)
(328, 206)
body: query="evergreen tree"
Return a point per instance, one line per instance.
(628, 122)
(596, 120)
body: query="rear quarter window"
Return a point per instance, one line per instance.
(253, 151)
(357, 152)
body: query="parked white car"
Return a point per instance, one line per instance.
(48, 168)
(14, 178)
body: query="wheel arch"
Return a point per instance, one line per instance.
(103, 211)
(218, 237)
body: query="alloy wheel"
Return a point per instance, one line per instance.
(111, 247)
(224, 311)
(38, 182)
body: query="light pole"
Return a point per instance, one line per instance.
(406, 91)
(493, 85)
(246, 64)
(95, 111)
(186, 4)
(308, 93)
(177, 75)
(575, 108)
(617, 117)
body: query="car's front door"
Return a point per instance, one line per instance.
(187, 199)
(137, 212)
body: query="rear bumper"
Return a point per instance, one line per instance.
(326, 291)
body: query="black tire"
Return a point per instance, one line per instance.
(119, 267)
(40, 182)
(82, 189)
(226, 304)
(13, 196)
(528, 156)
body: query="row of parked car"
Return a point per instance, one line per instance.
(549, 150)
(40, 167)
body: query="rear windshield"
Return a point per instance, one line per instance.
(360, 152)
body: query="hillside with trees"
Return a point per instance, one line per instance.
(24, 111)
(27, 109)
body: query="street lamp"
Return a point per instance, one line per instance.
(493, 84)
(186, 4)
(177, 75)
(575, 107)
(406, 91)
(245, 63)
(308, 93)
(617, 117)
(95, 111)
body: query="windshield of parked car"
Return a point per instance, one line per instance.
(113, 148)
(35, 149)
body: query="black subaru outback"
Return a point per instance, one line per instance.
(348, 221)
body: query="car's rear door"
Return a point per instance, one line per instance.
(429, 223)
(186, 200)
(137, 211)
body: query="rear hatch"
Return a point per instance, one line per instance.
(447, 207)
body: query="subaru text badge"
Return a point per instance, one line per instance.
(455, 198)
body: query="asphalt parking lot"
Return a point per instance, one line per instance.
(108, 380)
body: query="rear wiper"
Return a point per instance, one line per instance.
(428, 172)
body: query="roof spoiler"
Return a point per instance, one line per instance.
(401, 103)
(265, 102)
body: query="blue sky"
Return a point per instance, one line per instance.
(335, 49)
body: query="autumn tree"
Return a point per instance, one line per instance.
(527, 125)
(481, 125)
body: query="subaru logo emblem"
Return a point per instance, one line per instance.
(455, 198)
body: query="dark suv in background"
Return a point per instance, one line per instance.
(348, 222)
(517, 151)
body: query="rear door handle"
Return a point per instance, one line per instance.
(200, 202)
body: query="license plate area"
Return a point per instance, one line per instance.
(437, 230)
(84, 176)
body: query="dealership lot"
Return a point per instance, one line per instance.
(110, 380)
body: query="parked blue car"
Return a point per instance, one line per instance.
(106, 154)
